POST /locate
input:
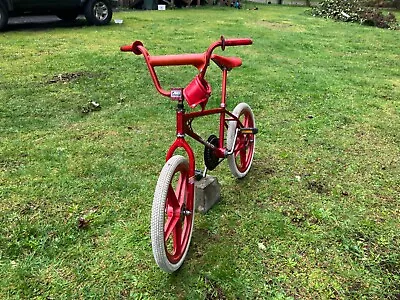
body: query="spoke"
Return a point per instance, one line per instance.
(246, 121)
(172, 201)
(177, 236)
(181, 187)
(171, 198)
(243, 158)
(170, 226)
(239, 146)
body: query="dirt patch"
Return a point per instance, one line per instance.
(318, 187)
(298, 216)
(263, 170)
(214, 291)
(67, 77)
(9, 165)
(281, 26)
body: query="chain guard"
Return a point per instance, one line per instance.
(210, 159)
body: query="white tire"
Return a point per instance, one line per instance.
(170, 243)
(242, 157)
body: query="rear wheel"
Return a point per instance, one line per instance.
(172, 214)
(3, 17)
(98, 12)
(242, 157)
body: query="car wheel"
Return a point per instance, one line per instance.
(98, 12)
(3, 17)
(68, 15)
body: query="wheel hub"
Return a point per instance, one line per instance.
(100, 11)
(184, 213)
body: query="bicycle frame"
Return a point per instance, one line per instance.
(183, 127)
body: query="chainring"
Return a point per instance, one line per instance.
(210, 159)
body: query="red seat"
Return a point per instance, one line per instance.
(226, 62)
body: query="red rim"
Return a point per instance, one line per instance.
(244, 148)
(178, 215)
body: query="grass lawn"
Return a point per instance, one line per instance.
(317, 217)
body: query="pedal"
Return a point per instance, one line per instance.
(249, 130)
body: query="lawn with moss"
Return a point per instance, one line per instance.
(317, 217)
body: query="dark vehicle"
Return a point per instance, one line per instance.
(97, 12)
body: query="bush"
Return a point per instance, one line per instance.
(338, 10)
(385, 3)
(374, 17)
(355, 11)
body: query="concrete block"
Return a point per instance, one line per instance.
(207, 193)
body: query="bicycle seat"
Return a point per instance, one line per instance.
(226, 62)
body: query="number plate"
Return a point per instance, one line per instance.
(176, 94)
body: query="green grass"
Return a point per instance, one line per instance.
(317, 217)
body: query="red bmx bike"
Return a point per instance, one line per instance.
(173, 208)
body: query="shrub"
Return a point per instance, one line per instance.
(354, 11)
(375, 17)
(385, 3)
(338, 10)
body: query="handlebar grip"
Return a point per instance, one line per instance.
(132, 48)
(126, 48)
(238, 42)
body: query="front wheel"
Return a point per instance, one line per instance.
(244, 144)
(98, 12)
(172, 214)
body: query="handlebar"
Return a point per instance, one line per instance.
(238, 42)
(235, 42)
(200, 60)
(132, 48)
(126, 48)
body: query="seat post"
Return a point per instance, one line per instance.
(223, 105)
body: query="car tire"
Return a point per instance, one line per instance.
(3, 17)
(68, 15)
(98, 12)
